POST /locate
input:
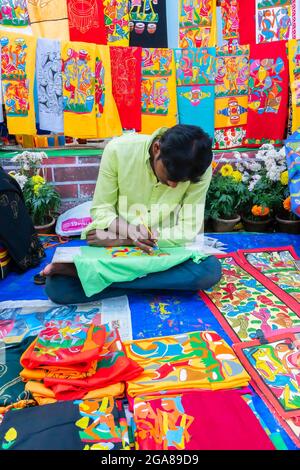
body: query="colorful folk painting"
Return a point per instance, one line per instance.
(158, 88)
(99, 87)
(13, 13)
(103, 424)
(273, 21)
(229, 137)
(17, 81)
(195, 66)
(196, 19)
(196, 106)
(231, 111)
(147, 23)
(292, 149)
(126, 84)
(232, 71)
(116, 22)
(265, 85)
(294, 65)
(118, 252)
(230, 20)
(49, 85)
(191, 360)
(244, 306)
(278, 266)
(157, 62)
(274, 365)
(86, 21)
(268, 92)
(78, 67)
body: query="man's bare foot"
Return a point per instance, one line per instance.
(64, 269)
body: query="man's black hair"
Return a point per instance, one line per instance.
(186, 152)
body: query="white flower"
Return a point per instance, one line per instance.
(21, 179)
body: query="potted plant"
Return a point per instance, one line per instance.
(41, 198)
(262, 179)
(287, 221)
(223, 199)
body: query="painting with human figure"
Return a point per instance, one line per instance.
(274, 20)
(195, 22)
(274, 365)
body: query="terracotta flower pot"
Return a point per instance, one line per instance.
(288, 226)
(48, 228)
(264, 225)
(225, 225)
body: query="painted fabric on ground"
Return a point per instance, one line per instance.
(78, 425)
(206, 420)
(244, 307)
(191, 360)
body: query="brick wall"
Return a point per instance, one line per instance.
(75, 177)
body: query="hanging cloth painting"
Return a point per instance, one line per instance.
(292, 148)
(159, 102)
(18, 68)
(148, 23)
(230, 21)
(78, 66)
(108, 121)
(49, 85)
(247, 22)
(116, 19)
(49, 19)
(294, 63)
(273, 20)
(1, 97)
(86, 21)
(197, 23)
(268, 93)
(195, 72)
(232, 77)
(13, 13)
(126, 84)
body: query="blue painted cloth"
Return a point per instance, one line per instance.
(292, 147)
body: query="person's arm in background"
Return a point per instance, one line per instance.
(190, 217)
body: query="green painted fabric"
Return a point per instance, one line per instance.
(99, 267)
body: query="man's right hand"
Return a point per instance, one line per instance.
(141, 237)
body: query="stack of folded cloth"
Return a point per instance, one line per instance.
(70, 360)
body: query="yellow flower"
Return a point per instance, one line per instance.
(226, 170)
(237, 176)
(37, 179)
(36, 189)
(260, 211)
(284, 178)
(287, 204)
(11, 435)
